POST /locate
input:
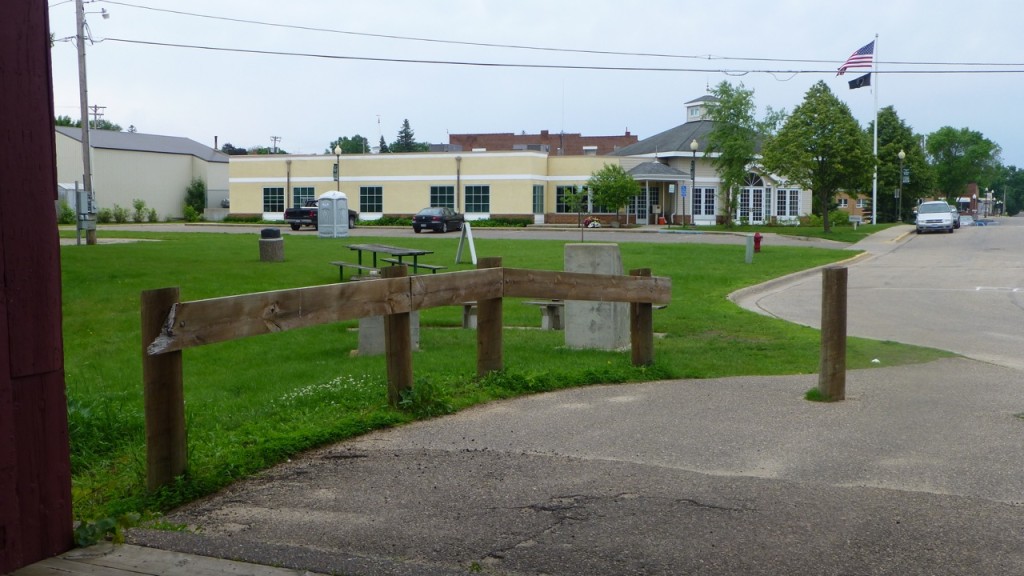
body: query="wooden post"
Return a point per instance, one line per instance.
(489, 347)
(166, 446)
(641, 326)
(397, 345)
(832, 371)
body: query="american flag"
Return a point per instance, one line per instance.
(859, 59)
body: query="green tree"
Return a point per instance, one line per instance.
(735, 137)
(821, 147)
(960, 156)
(406, 141)
(894, 135)
(383, 146)
(612, 186)
(195, 195)
(64, 120)
(265, 150)
(231, 150)
(355, 145)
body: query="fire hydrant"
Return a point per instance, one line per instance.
(757, 241)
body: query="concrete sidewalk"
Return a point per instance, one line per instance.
(917, 472)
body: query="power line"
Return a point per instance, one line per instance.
(709, 57)
(735, 72)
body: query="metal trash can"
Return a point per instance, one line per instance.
(271, 245)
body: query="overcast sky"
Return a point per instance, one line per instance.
(778, 49)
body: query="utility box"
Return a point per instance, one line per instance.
(332, 215)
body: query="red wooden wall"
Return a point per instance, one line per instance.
(35, 476)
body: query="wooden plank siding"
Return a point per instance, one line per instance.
(35, 473)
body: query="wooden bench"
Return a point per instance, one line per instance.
(415, 266)
(551, 313)
(359, 267)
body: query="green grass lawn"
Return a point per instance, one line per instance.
(254, 402)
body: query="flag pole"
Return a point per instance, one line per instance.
(874, 179)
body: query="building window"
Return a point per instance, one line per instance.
(844, 203)
(478, 198)
(538, 198)
(301, 194)
(703, 201)
(862, 203)
(273, 199)
(443, 196)
(787, 202)
(562, 193)
(371, 199)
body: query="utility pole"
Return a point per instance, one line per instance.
(275, 140)
(97, 112)
(83, 91)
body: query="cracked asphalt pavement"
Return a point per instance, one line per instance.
(917, 472)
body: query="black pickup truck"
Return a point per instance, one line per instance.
(307, 216)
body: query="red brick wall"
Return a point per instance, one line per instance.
(572, 144)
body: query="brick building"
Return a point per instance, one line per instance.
(555, 144)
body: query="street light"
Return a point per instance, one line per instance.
(899, 195)
(693, 175)
(337, 166)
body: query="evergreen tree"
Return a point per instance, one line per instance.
(406, 141)
(384, 146)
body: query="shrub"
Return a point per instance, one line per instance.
(190, 214)
(105, 216)
(387, 221)
(120, 214)
(140, 213)
(245, 218)
(65, 215)
(195, 196)
(151, 215)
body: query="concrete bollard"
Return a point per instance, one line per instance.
(271, 245)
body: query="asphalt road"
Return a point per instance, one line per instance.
(917, 472)
(962, 292)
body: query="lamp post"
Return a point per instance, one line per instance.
(693, 175)
(899, 195)
(458, 180)
(337, 166)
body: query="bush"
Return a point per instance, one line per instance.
(140, 212)
(387, 221)
(65, 215)
(191, 215)
(105, 216)
(502, 223)
(245, 218)
(120, 214)
(195, 196)
(151, 215)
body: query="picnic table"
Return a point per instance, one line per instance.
(397, 251)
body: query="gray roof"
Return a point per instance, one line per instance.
(133, 141)
(656, 171)
(670, 141)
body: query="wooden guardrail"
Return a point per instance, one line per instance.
(170, 326)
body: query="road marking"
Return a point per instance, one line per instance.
(998, 289)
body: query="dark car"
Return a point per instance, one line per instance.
(438, 219)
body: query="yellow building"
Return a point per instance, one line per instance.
(480, 184)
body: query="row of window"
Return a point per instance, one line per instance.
(371, 198)
(753, 202)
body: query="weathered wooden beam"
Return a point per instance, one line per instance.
(221, 319)
(397, 343)
(454, 288)
(163, 391)
(641, 326)
(577, 286)
(490, 354)
(832, 368)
